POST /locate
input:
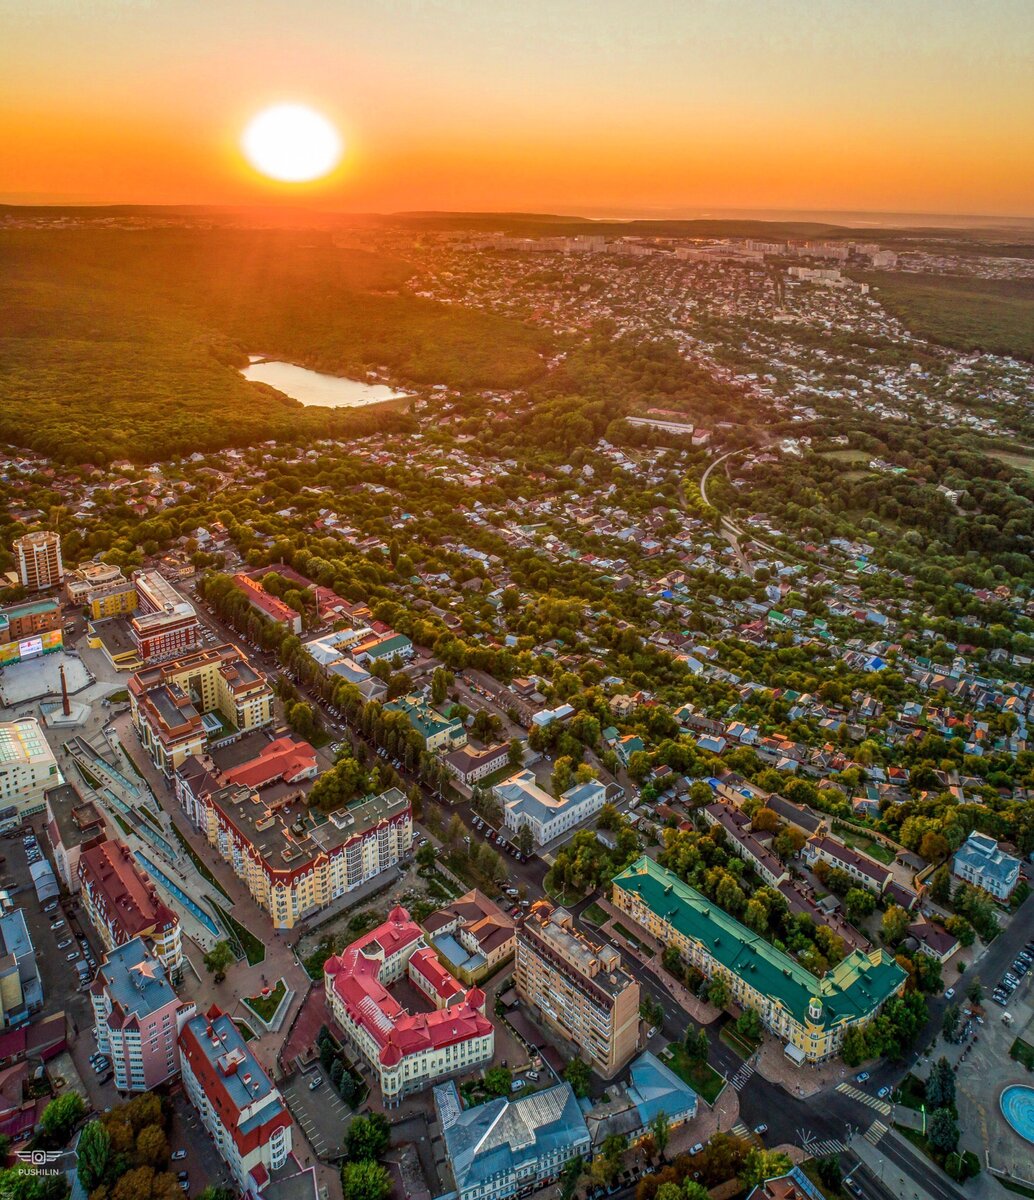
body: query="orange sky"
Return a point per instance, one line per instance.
(547, 105)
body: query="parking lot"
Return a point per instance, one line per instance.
(1013, 976)
(320, 1111)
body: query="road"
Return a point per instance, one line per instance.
(729, 529)
(831, 1116)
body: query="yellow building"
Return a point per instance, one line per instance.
(809, 1014)
(112, 600)
(181, 706)
(577, 988)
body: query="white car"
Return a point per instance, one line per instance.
(178, 1155)
(517, 1085)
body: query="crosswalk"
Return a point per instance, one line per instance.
(827, 1146)
(739, 1080)
(881, 1106)
(875, 1132)
(741, 1131)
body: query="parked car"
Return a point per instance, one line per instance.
(65, 944)
(315, 1083)
(696, 1149)
(518, 1084)
(760, 1129)
(884, 1091)
(862, 1077)
(949, 993)
(72, 957)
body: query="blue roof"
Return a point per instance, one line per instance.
(503, 1137)
(655, 1088)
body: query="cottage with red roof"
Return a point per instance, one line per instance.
(407, 1051)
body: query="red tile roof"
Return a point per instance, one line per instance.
(355, 976)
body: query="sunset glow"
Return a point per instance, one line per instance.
(652, 108)
(291, 143)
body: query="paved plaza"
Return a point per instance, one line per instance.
(24, 682)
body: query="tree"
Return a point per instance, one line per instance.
(759, 1165)
(569, 1176)
(765, 820)
(859, 903)
(60, 1116)
(829, 1171)
(718, 992)
(152, 1147)
(214, 1192)
(748, 1023)
(894, 925)
(498, 1081)
(426, 856)
(578, 1074)
(942, 1130)
(691, 1190)
(950, 1024)
(525, 840)
(219, 960)
(94, 1155)
(368, 1137)
(975, 992)
(940, 1085)
(365, 1180)
(660, 1129)
(515, 752)
(940, 885)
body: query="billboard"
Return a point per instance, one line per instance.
(30, 647)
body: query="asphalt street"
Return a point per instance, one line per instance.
(830, 1116)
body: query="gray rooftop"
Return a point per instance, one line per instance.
(505, 1136)
(135, 979)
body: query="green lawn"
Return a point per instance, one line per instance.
(1022, 1052)
(868, 846)
(131, 760)
(737, 1042)
(264, 1007)
(912, 1093)
(254, 950)
(246, 1030)
(202, 870)
(1015, 1187)
(631, 937)
(595, 915)
(701, 1077)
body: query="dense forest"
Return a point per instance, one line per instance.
(121, 345)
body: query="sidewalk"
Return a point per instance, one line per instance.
(701, 1012)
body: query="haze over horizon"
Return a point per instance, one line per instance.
(600, 109)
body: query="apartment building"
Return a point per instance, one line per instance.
(810, 1015)
(577, 988)
(28, 767)
(182, 706)
(123, 904)
(137, 1017)
(525, 803)
(867, 871)
(296, 860)
(406, 1051)
(38, 559)
(239, 1105)
(90, 577)
(72, 823)
(980, 862)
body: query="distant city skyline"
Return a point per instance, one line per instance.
(609, 108)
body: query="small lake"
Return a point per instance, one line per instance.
(310, 387)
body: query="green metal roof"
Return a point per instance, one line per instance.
(850, 991)
(422, 717)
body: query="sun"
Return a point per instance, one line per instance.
(291, 143)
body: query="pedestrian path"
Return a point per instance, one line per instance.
(875, 1132)
(881, 1106)
(739, 1080)
(825, 1147)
